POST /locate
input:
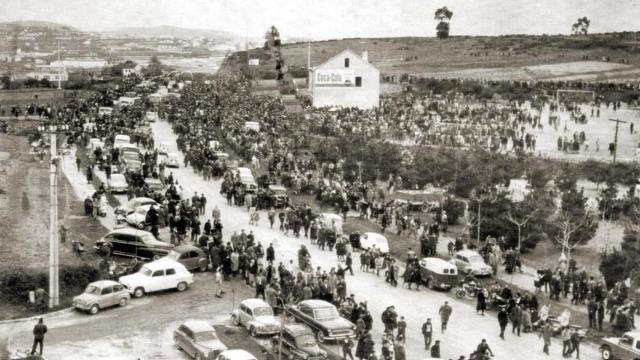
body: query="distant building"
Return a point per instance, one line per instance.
(50, 73)
(131, 68)
(81, 63)
(346, 80)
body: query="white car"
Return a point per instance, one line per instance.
(470, 262)
(163, 156)
(121, 140)
(100, 295)
(371, 240)
(138, 218)
(133, 204)
(162, 274)
(256, 316)
(198, 339)
(236, 354)
(173, 160)
(117, 183)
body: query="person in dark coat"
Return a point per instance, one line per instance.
(435, 350)
(481, 304)
(38, 336)
(365, 347)
(271, 254)
(503, 320)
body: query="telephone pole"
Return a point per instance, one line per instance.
(615, 139)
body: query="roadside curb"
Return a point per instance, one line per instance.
(34, 318)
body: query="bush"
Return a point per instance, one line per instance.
(612, 267)
(268, 75)
(454, 209)
(79, 276)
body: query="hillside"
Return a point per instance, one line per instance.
(38, 24)
(504, 57)
(172, 32)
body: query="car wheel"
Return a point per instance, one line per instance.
(94, 309)
(182, 286)
(606, 353)
(138, 292)
(141, 226)
(123, 302)
(320, 337)
(252, 331)
(203, 266)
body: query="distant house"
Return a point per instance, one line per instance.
(131, 68)
(51, 73)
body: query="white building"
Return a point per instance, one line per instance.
(81, 63)
(131, 69)
(51, 73)
(346, 80)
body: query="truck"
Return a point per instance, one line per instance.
(626, 347)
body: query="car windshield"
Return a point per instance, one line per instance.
(92, 289)
(173, 255)
(145, 271)
(475, 259)
(262, 311)
(141, 211)
(131, 156)
(327, 313)
(205, 336)
(305, 340)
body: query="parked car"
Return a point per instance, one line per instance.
(100, 295)
(256, 316)
(139, 218)
(154, 184)
(163, 156)
(626, 347)
(438, 274)
(470, 262)
(162, 274)
(198, 339)
(371, 240)
(117, 184)
(236, 354)
(192, 257)
(173, 160)
(298, 343)
(278, 196)
(135, 243)
(323, 318)
(121, 140)
(131, 161)
(133, 204)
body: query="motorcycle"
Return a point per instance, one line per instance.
(468, 291)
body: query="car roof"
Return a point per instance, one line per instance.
(438, 263)
(162, 263)
(298, 329)
(254, 303)
(277, 187)
(633, 334)
(316, 303)
(130, 231)
(238, 354)
(104, 283)
(141, 199)
(152, 180)
(467, 252)
(198, 325)
(184, 248)
(118, 176)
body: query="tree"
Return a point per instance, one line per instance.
(443, 15)
(6, 82)
(272, 37)
(520, 220)
(574, 210)
(567, 227)
(154, 68)
(581, 26)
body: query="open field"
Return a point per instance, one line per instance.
(504, 57)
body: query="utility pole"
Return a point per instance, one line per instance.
(59, 72)
(615, 139)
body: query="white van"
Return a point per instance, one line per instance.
(121, 140)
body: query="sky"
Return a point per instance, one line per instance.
(329, 19)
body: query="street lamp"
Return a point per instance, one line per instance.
(54, 288)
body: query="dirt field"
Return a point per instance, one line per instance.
(24, 97)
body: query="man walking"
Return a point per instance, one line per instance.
(575, 344)
(435, 350)
(427, 332)
(503, 321)
(347, 346)
(445, 313)
(545, 333)
(516, 319)
(38, 336)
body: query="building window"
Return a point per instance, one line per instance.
(346, 62)
(358, 81)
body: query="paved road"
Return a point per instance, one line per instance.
(143, 329)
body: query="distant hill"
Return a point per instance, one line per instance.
(37, 24)
(166, 31)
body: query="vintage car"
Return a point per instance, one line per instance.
(117, 184)
(323, 318)
(626, 347)
(192, 257)
(121, 140)
(420, 200)
(277, 196)
(163, 156)
(154, 184)
(470, 262)
(135, 243)
(130, 161)
(198, 339)
(162, 274)
(256, 316)
(133, 204)
(173, 160)
(236, 354)
(438, 274)
(370, 240)
(101, 295)
(139, 217)
(297, 342)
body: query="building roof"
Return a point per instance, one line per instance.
(351, 55)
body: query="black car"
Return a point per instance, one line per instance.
(323, 318)
(298, 343)
(277, 196)
(133, 243)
